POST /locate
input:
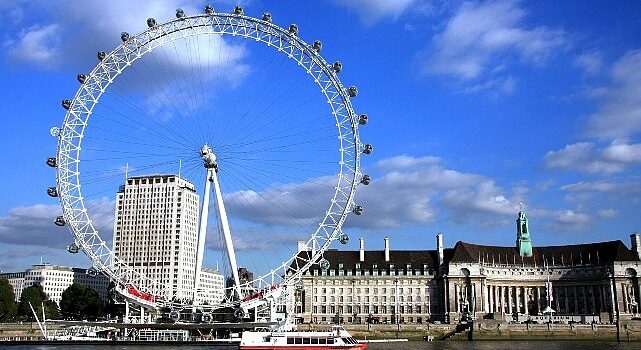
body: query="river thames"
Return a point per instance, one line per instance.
(437, 345)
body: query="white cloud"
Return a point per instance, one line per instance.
(585, 156)
(590, 63)
(619, 114)
(33, 225)
(479, 40)
(371, 11)
(407, 190)
(72, 34)
(572, 220)
(608, 213)
(37, 44)
(603, 186)
(418, 190)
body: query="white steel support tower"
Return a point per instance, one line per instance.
(210, 163)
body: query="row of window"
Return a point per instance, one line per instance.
(374, 309)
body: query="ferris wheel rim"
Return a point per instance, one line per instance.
(81, 107)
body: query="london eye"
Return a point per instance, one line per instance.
(246, 111)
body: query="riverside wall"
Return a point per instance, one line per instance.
(495, 330)
(480, 330)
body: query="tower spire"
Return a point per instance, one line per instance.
(523, 241)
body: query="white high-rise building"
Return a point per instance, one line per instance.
(212, 286)
(156, 230)
(55, 279)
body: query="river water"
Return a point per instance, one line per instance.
(436, 345)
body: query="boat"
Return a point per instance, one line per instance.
(337, 338)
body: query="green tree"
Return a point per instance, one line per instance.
(80, 302)
(52, 310)
(8, 305)
(113, 307)
(34, 295)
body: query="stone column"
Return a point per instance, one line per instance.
(486, 297)
(517, 299)
(576, 300)
(502, 298)
(526, 291)
(509, 299)
(585, 299)
(457, 298)
(567, 309)
(537, 297)
(624, 292)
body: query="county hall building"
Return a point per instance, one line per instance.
(595, 282)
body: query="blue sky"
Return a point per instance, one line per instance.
(474, 108)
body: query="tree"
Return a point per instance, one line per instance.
(34, 295)
(113, 307)
(80, 302)
(52, 310)
(8, 306)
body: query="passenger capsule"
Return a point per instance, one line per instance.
(92, 272)
(299, 286)
(52, 192)
(81, 78)
(317, 46)
(239, 313)
(358, 210)
(365, 180)
(59, 221)
(210, 11)
(337, 66)
(267, 17)
(352, 91)
(124, 36)
(73, 248)
(293, 29)
(238, 10)
(368, 149)
(180, 13)
(174, 315)
(343, 238)
(102, 55)
(52, 162)
(323, 264)
(206, 317)
(151, 22)
(362, 119)
(66, 104)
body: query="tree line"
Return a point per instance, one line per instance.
(78, 302)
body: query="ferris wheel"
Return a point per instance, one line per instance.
(178, 98)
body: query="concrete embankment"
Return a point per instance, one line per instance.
(494, 330)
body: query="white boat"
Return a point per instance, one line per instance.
(337, 338)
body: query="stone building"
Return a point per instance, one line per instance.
(585, 282)
(55, 279)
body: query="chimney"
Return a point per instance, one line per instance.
(636, 244)
(361, 250)
(439, 248)
(386, 249)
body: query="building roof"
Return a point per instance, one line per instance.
(578, 254)
(398, 258)
(463, 252)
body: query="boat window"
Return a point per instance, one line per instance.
(322, 341)
(290, 340)
(298, 340)
(330, 341)
(306, 340)
(314, 340)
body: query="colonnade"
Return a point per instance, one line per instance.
(566, 299)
